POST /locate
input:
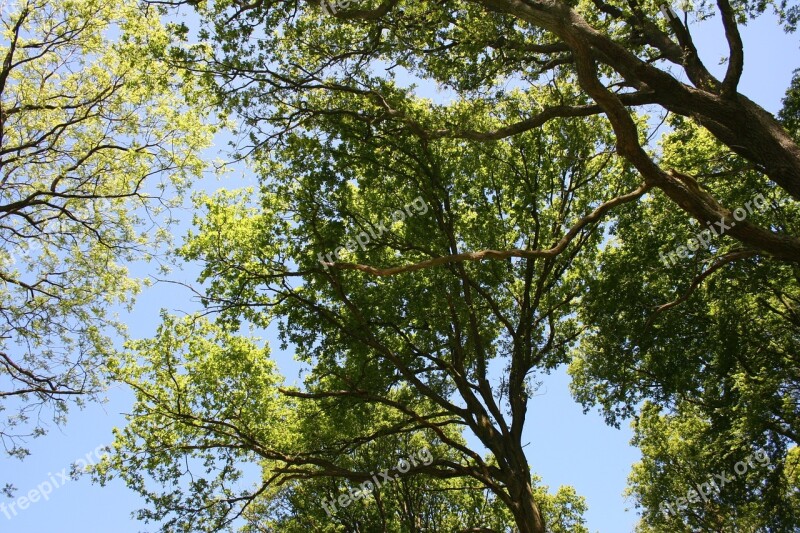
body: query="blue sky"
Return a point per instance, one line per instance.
(566, 447)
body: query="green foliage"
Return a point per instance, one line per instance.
(98, 138)
(389, 359)
(190, 372)
(790, 113)
(436, 328)
(699, 350)
(692, 478)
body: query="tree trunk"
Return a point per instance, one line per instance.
(526, 512)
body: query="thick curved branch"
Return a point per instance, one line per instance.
(549, 113)
(742, 125)
(559, 247)
(687, 193)
(681, 188)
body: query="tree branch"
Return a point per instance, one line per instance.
(559, 247)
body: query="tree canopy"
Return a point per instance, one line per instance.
(584, 193)
(98, 138)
